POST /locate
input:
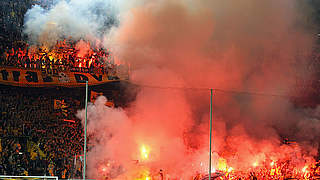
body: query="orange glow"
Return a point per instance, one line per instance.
(144, 152)
(222, 164)
(255, 164)
(103, 168)
(272, 163)
(144, 175)
(305, 169)
(77, 54)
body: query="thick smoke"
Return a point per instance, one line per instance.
(248, 46)
(76, 19)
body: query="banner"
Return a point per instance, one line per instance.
(43, 78)
(94, 95)
(58, 104)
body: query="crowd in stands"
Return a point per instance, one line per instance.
(63, 56)
(37, 138)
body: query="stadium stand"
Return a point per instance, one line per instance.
(39, 132)
(35, 138)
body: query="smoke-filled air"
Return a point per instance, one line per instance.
(250, 53)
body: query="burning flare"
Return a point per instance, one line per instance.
(144, 152)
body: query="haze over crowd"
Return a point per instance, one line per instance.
(247, 46)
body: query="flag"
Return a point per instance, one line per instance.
(94, 95)
(109, 104)
(57, 104)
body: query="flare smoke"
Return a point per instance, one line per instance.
(248, 46)
(75, 19)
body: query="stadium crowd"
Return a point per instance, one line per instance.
(64, 56)
(38, 138)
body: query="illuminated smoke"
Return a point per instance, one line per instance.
(248, 46)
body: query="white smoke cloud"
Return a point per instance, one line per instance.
(86, 19)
